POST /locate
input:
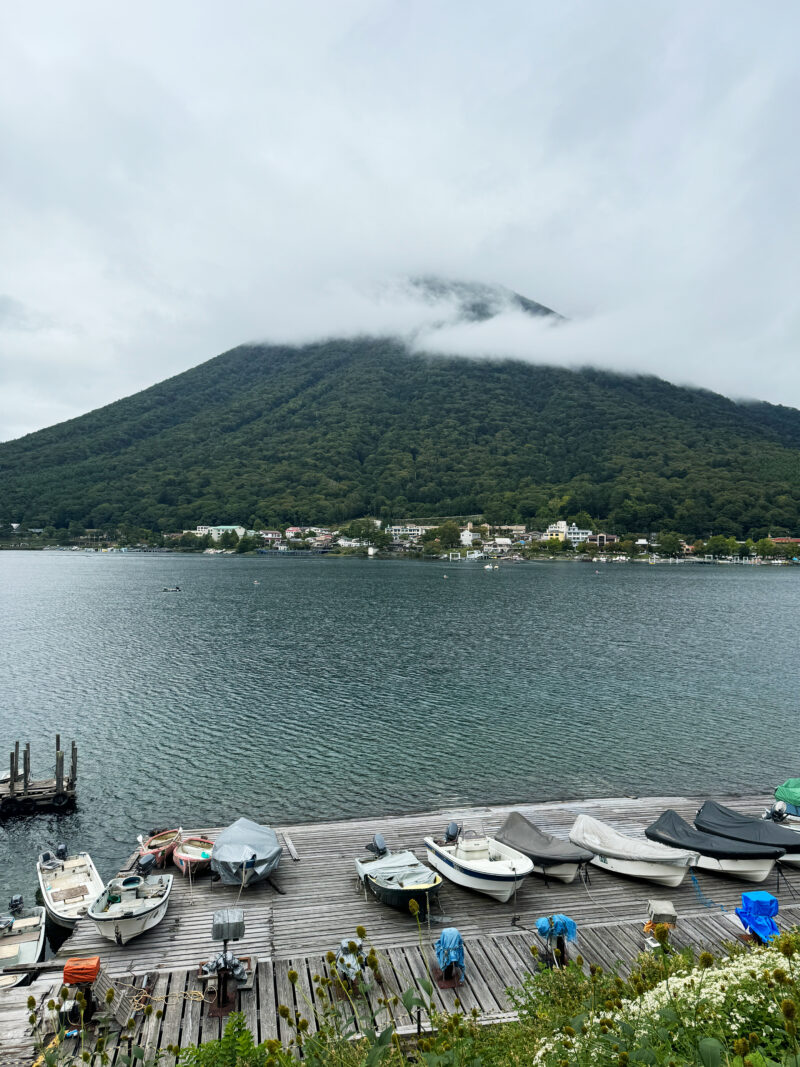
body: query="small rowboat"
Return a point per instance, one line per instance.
(192, 855)
(160, 845)
(21, 942)
(69, 884)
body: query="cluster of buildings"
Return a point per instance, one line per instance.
(409, 536)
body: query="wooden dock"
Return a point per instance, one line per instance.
(320, 903)
(22, 795)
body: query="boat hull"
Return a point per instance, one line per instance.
(31, 925)
(659, 873)
(747, 870)
(123, 930)
(161, 846)
(397, 897)
(561, 872)
(121, 921)
(187, 856)
(501, 887)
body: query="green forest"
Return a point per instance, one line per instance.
(269, 435)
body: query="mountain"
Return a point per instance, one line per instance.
(475, 301)
(328, 431)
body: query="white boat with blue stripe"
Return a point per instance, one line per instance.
(477, 861)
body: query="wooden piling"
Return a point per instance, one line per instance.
(59, 772)
(21, 794)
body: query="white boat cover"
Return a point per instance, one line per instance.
(399, 869)
(604, 840)
(545, 850)
(245, 845)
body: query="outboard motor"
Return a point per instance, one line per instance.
(16, 904)
(378, 845)
(777, 812)
(451, 833)
(145, 865)
(61, 852)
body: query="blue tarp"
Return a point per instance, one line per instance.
(450, 949)
(756, 914)
(557, 926)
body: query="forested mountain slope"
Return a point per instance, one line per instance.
(328, 431)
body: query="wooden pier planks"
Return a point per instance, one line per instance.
(323, 904)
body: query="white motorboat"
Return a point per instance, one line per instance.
(478, 862)
(631, 856)
(69, 884)
(131, 904)
(21, 940)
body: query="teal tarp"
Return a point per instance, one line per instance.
(789, 791)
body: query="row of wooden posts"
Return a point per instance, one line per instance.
(20, 785)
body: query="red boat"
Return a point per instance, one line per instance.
(160, 845)
(192, 855)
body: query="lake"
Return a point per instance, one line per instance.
(295, 689)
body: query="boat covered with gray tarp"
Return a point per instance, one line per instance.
(552, 856)
(752, 862)
(715, 818)
(245, 852)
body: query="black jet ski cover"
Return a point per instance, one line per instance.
(715, 818)
(671, 829)
(545, 851)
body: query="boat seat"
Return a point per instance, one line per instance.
(74, 892)
(8, 950)
(26, 923)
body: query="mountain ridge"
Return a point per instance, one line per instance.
(328, 431)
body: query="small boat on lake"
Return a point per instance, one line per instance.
(68, 885)
(245, 852)
(550, 856)
(723, 855)
(160, 844)
(192, 855)
(21, 940)
(477, 861)
(132, 903)
(715, 818)
(629, 855)
(397, 878)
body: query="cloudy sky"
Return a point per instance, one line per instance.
(180, 177)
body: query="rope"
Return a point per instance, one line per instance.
(141, 998)
(707, 902)
(583, 873)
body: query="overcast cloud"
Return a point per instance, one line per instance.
(180, 177)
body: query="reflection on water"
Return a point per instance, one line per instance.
(343, 687)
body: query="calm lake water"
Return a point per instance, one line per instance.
(303, 689)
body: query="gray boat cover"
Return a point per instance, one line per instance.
(715, 818)
(245, 851)
(398, 870)
(545, 851)
(671, 829)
